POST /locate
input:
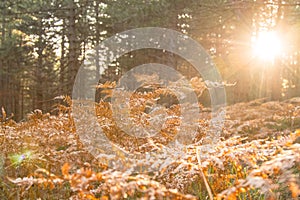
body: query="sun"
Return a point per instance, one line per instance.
(267, 45)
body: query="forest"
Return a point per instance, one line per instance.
(150, 99)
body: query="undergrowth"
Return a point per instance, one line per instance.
(257, 157)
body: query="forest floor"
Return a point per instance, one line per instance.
(258, 157)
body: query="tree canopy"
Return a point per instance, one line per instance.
(43, 44)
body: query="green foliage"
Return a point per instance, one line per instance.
(43, 43)
(20, 158)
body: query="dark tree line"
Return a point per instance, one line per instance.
(43, 43)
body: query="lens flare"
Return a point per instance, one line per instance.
(267, 45)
